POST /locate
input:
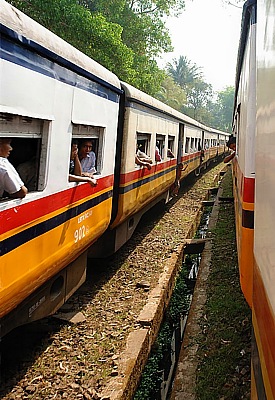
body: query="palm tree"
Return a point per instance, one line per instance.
(184, 72)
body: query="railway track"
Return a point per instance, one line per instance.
(76, 354)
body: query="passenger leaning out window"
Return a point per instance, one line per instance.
(75, 170)
(87, 157)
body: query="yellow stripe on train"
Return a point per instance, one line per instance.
(50, 215)
(28, 266)
(138, 197)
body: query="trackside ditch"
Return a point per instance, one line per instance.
(215, 356)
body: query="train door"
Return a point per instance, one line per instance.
(202, 147)
(181, 143)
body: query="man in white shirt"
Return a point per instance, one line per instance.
(87, 157)
(10, 180)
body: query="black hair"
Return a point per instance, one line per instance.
(232, 140)
(82, 141)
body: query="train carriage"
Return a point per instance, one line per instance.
(244, 163)
(147, 123)
(51, 93)
(222, 139)
(253, 172)
(263, 305)
(192, 146)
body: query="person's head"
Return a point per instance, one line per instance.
(231, 144)
(74, 149)
(85, 147)
(5, 147)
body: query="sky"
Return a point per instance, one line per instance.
(207, 33)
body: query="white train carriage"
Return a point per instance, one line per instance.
(244, 162)
(51, 93)
(255, 187)
(263, 300)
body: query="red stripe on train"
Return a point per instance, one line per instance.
(25, 213)
(248, 190)
(144, 172)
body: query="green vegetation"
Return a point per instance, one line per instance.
(128, 37)
(160, 356)
(194, 96)
(224, 346)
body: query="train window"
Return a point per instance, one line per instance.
(187, 145)
(95, 135)
(192, 145)
(171, 144)
(160, 144)
(29, 138)
(143, 142)
(199, 145)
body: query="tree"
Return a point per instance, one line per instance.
(171, 94)
(143, 31)
(223, 109)
(198, 93)
(198, 97)
(197, 101)
(126, 36)
(184, 72)
(90, 33)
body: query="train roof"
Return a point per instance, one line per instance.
(140, 97)
(32, 34)
(249, 16)
(137, 96)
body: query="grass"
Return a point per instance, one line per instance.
(224, 355)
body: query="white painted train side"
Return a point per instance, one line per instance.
(254, 185)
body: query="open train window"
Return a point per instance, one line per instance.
(192, 145)
(187, 145)
(171, 144)
(29, 137)
(160, 144)
(95, 135)
(143, 143)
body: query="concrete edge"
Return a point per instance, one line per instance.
(185, 375)
(139, 342)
